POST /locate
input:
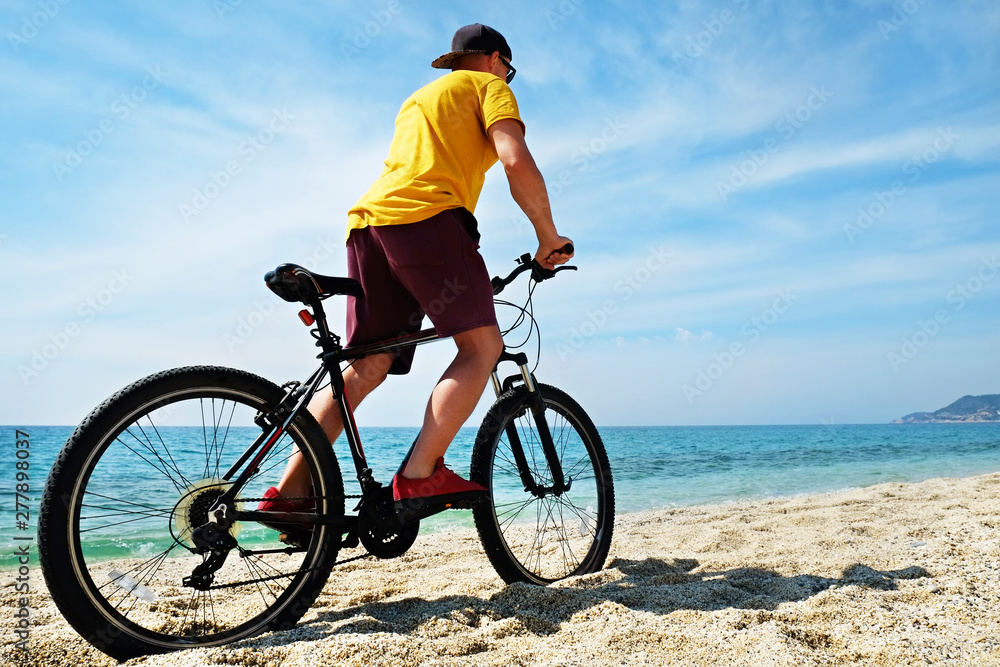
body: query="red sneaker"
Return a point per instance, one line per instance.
(273, 502)
(443, 487)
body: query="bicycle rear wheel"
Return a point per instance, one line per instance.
(541, 538)
(138, 475)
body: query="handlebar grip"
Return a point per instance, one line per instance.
(527, 263)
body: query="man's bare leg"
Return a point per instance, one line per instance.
(359, 381)
(454, 397)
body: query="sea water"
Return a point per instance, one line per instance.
(653, 467)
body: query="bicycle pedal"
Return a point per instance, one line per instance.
(349, 541)
(407, 512)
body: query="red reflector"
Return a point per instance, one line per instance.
(306, 317)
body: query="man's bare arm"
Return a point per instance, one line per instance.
(527, 187)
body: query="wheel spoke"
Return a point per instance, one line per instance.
(515, 510)
(163, 467)
(110, 525)
(286, 451)
(126, 502)
(219, 423)
(173, 464)
(570, 561)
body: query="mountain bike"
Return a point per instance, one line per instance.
(150, 538)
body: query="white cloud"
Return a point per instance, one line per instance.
(682, 335)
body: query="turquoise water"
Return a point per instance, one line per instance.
(653, 467)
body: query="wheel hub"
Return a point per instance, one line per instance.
(192, 510)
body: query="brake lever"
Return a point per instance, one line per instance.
(540, 273)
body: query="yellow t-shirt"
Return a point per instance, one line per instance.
(440, 151)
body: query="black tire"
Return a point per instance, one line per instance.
(131, 483)
(543, 539)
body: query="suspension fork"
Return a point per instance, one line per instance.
(537, 407)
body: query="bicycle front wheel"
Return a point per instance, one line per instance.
(139, 475)
(540, 537)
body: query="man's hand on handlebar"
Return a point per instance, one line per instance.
(558, 251)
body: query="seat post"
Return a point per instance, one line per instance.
(326, 340)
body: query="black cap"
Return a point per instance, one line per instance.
(475, 38)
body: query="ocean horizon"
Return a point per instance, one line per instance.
(654, 467)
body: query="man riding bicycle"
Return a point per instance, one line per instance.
(413, 245)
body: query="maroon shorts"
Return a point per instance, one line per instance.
(432, 267)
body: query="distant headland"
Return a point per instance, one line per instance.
(966, 409)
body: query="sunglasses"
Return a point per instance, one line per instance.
(510, 68)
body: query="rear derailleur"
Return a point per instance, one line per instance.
(213, 541)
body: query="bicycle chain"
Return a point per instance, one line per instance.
(259, 500)
(287, 576)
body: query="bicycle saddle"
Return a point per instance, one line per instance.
(294, 283)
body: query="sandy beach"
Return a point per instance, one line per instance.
(894, 574)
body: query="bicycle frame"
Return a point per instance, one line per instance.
(333, 355)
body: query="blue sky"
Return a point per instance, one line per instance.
(784, 212)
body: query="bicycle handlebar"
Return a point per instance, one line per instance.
(538, 272)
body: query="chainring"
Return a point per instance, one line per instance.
(380, 530)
